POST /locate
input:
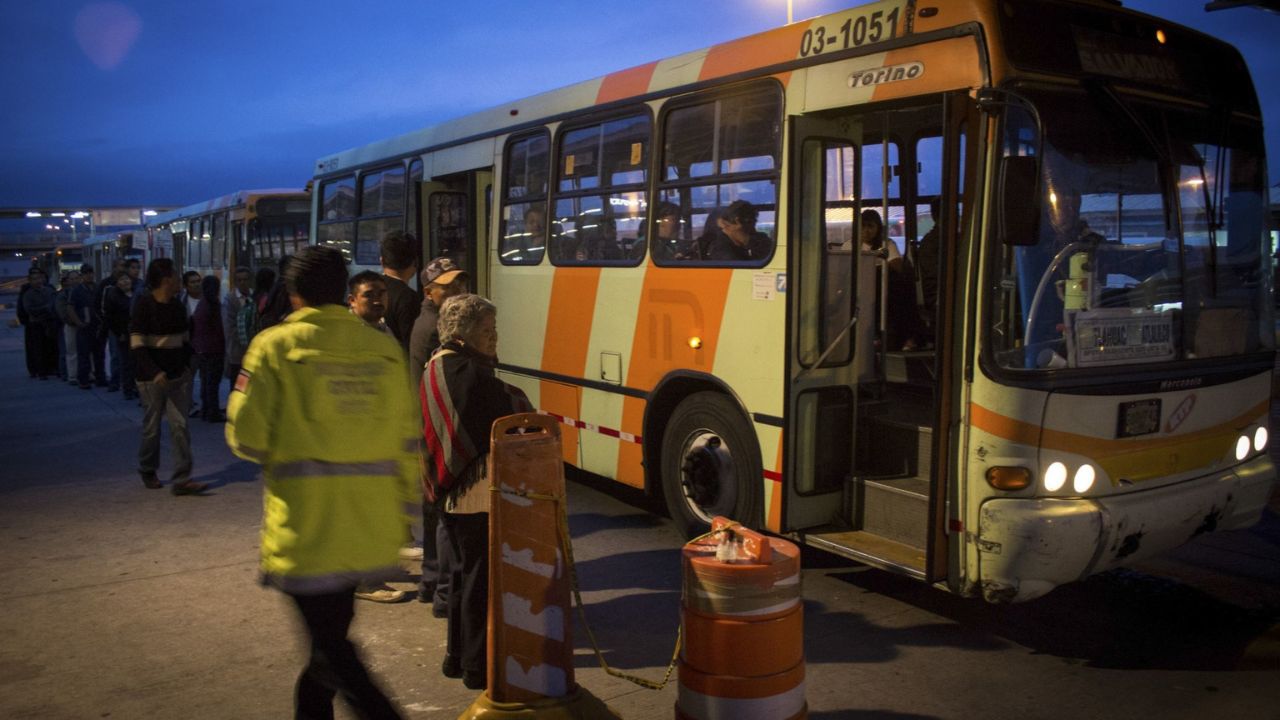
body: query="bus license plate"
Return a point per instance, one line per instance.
(1140, 417)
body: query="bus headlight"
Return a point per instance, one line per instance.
(1055, 477)
(1084, 478)
(1242, 447)
(1260, 439)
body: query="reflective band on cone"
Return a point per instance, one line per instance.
(733, 647)
(720, 589)
(721, 697)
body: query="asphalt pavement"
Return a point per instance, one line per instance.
(122, 602)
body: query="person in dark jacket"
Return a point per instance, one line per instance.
(461, 399)
(739, 241)
(210, 344)
(399, 266)
(104, 345)
(36, 312)
(442, 279)
(116, 305)
(88, 362)
(276, 307)
(158, 338)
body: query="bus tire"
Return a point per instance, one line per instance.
(710, 464)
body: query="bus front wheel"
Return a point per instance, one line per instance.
(710, 464)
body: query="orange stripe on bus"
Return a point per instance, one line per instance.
(626, 83)
(676, 304)
(564, 347)
(775, 46)
(1026, 433)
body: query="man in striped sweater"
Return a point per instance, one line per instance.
(160, 344)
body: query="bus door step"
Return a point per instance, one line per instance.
(896, 509)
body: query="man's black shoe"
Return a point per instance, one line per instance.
(151, 481)
(475, 680)
(451, 667)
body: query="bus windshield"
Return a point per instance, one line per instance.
(1151, 236)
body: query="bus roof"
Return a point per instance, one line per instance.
(776, 50)
(238, 198)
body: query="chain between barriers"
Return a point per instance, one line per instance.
(566, 545)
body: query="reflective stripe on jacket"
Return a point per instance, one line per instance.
(321, 405)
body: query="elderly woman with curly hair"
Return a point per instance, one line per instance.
(461, 399)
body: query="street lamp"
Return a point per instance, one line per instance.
(790, 13)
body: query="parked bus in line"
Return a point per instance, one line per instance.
(63, 258)
(102, 250)
(249, 228)
(975, 291)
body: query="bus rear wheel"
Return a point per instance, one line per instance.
(710, 464)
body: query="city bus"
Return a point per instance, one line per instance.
(247, 228)
(103, 249)
(974, 291)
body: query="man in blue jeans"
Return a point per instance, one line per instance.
(159, 341)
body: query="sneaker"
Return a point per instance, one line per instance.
(379, 593)
(451, 667)
(411, 552)
(188, 488)
(151, 481)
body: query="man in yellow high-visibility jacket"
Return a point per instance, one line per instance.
(320, 404)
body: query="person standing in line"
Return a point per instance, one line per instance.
(241, 295)
(104, 343)
(116, 305)
(70, 324)
(441, 280)
(399, 266)
(36, 309)
(276, 307)
(210, 345)
(29, 348)
(461, 398)
(81, 304)
(333, 436)
(189, 296)
(159, 341)
(367, 299)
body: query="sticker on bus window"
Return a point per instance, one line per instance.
(568, 164)
(764, 286)
(637, 153)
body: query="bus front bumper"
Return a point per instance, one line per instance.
(1027, 547)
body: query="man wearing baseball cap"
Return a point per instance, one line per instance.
(440, 279)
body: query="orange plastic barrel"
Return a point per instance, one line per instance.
(743, 651)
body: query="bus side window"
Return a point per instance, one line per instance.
(522, 238)
(723, 149)
(336, 227)
(600, 199)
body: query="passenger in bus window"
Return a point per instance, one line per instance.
(739, 240)
(667, 243)
(535, 228)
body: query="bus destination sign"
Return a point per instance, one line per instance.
(1121, 336)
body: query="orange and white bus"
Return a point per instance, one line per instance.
(1003, 320)
(247, 228)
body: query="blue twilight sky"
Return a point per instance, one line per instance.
(149, 102)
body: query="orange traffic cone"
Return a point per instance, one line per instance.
(743, 654)
(530, 633)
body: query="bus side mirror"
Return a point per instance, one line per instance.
(1019, 200)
